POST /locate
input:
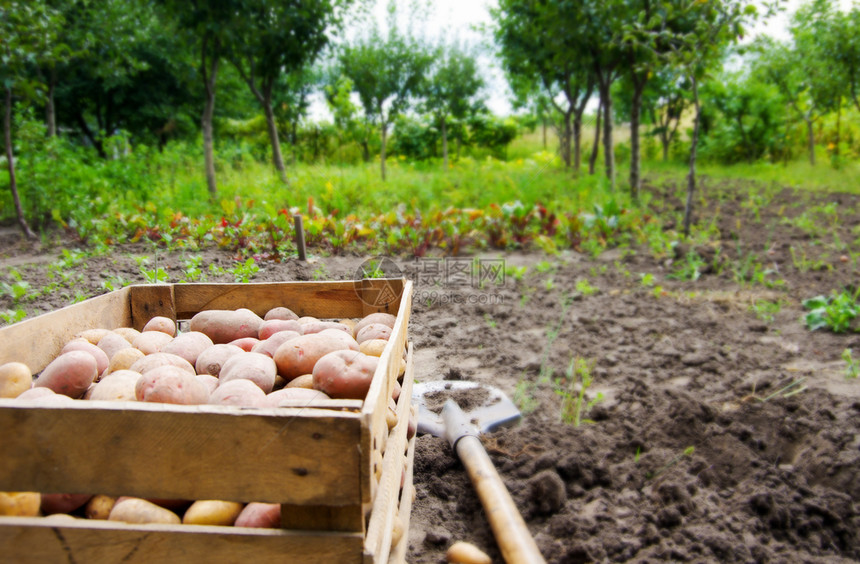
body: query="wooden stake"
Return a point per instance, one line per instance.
(300, 236)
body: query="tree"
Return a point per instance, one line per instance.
(386, 70)
(543, 51)
(29, 30)
(451, 90)
(271, 38)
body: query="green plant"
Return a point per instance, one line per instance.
(545, 373)
(584, 287)
(191, 269)
(646, 279)
(545, 266)
(852, 366)
(244, 271)
(572, 389)
(517, 272)
(491, 323)
(686, 453)
(836, 312)
(13, 315)
(524, 396)
(765, 310)
(690, 269)
(112, 282)
(154, 275)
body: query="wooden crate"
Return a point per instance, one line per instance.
(321, 461)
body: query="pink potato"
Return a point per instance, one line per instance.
(212, 359)
(162, 324)
(63, 503)
(345, 374)
(372, 332)
(36, 393)
(307, 319)
(256, 367)
(211, 382)
(280, 313)
(155, 360)
(241, 393)
(270, 345)
(272, 326)
(317, 326)
(224, 326)
(188, 345)
(150, 342)
(170, 384)
(383, 318)
(292, 395)
(260, 516)
(245, 343)
(112, 343)
(69, 374)
(116, 386)
(298, 356)
(101, 357)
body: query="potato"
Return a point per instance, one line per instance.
(162, 324)
(127, 333)
(298, 356)
(349, 323)
(372, 332)
(124, 359)
(307, 319)
(116, 386)
(224, 326)
(246, 343)
(260, 515)
(270, 345)
(188, 345)
(303, 381)
(342, 336)
(99, 507)
(15, 379)
(383, 318)
(93, 336)
(212, 359)
(372, 347)
(256, 367)
(317, 326)
(293, 394)
(212, 512)
(102, 359)
(151, 341)
(69, 374)
(113, 343)
(20, 504)
(135, 510)
(396, 531)
(170, 384)
(345, 374)
(211, 382)
(280, 313)
(465, 553)
(272, 326)
(155, 360)
(36, 393)
(239, 392)
(63, 503)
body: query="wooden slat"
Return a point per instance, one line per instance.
(37, 341)
(320, 299)
(379, 529)
(38, 540)
(381, 295)
(398, 553)
(299, 456)
(375, 428)
(345, 518)
(148, 301)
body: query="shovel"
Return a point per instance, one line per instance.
(462, 429)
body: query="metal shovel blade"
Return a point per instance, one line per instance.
(495, 410)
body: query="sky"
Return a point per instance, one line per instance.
(457, 19)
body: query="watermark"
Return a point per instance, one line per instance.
(447, 277)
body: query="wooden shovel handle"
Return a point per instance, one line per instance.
(512, 535)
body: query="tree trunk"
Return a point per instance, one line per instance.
(577, 144)
(382, 149)
(444, 146)
(595, 148)
(608, 149)
(272, 127)
(10, 159)
(566, 133)
(810, 140)
(838, 126)
(50, 109)
(691, 176)
(664, 140)
(209, 75)
(365, 150)
(544, 132)
(635, 149)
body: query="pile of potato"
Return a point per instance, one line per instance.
(225, 358)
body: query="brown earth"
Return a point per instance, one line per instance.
(721, 435)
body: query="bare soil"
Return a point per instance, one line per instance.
(697, 450)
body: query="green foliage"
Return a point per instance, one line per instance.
(690, 269)
(765, 310)
(573, 388)
(852, 366)
(836, 312)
